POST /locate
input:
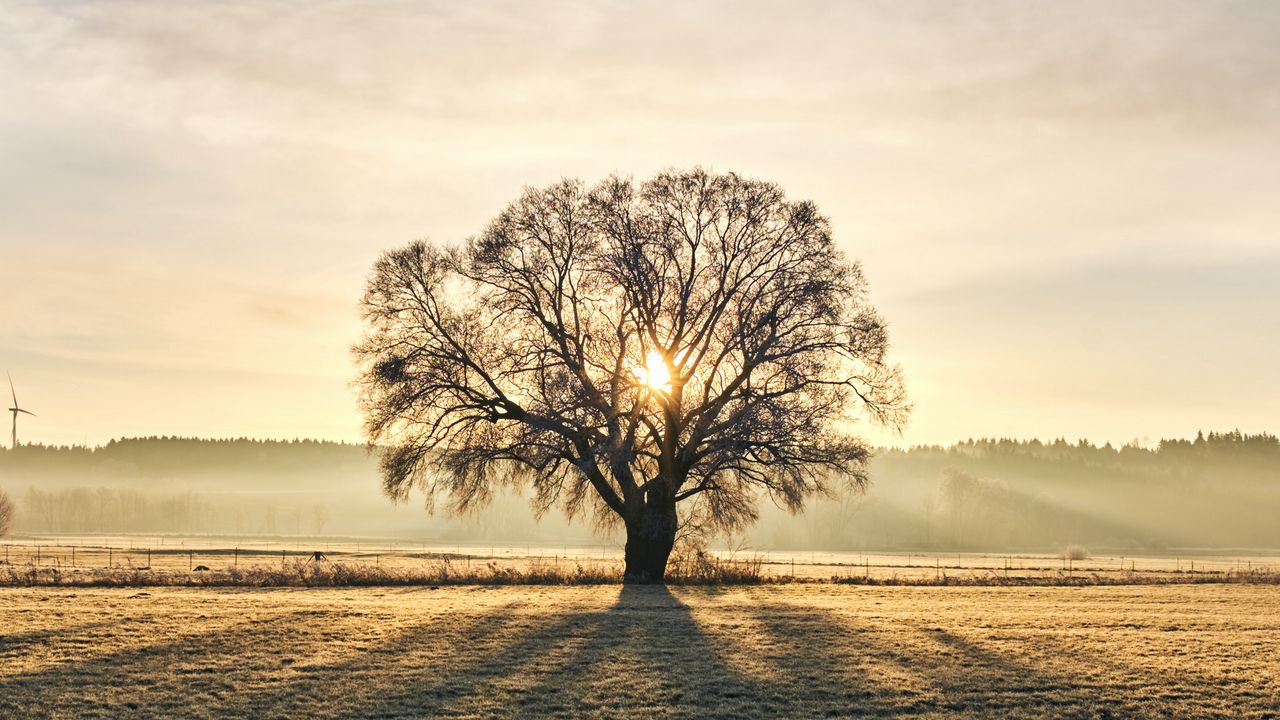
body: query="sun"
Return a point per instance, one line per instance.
(653, 373)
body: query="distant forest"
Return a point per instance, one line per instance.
(1220, 490)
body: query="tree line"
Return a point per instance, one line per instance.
(1220, 489)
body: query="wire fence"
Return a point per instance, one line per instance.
(193, 556)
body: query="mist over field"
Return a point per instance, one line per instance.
(1217, 491)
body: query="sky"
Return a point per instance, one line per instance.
(1069, 212)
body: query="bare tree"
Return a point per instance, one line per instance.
(958, 490)
(7, 513)
(695, 340)
(320, 515)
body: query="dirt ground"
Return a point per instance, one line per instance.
(613, 652)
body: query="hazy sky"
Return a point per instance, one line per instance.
(1069, 212)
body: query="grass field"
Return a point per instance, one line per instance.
(609, 651)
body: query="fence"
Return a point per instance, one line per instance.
(189, 556)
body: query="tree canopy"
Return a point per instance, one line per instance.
(626, 347)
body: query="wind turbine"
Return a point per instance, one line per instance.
(15, 410)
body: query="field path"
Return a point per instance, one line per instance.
(608, 652)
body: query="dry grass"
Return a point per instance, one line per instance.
(992, 578)
(611, 652)
(178, 556)
(693, 569)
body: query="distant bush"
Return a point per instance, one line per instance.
(1074, 552)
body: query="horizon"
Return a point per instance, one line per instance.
(1142, 443)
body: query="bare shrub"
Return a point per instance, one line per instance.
(1074, 552)
(698, 567)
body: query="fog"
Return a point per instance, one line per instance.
(1218, 491)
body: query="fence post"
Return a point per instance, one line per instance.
(73, 556)
(148, 558)
(110, 554)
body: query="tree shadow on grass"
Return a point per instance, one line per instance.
(416, 670)
(644, 656)
(13, 644)
(909, 669)
(1165, 685)
(839, 665)
(647, 654)
(169, 671)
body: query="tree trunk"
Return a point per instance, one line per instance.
(651, 532)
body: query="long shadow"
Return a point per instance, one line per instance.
(838, 665)
(975, 677)
(1153, 688)
(192, 661)
(648, 656)
(930, 670)
(645, 656)
(11, 644)
(536, 665)
(409, 673)
(819, 663)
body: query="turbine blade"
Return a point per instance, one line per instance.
(25, 411)
(11, 390)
